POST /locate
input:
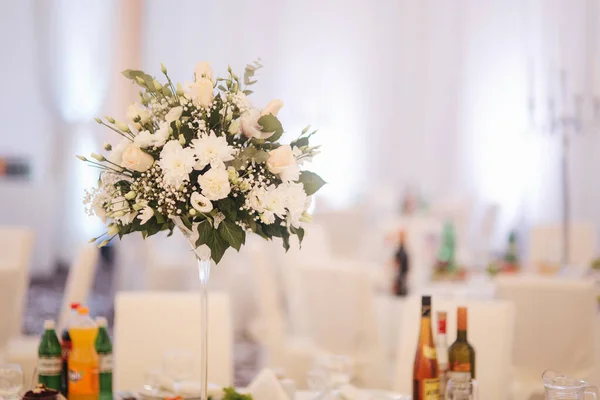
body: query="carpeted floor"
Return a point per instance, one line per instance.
(44, 300)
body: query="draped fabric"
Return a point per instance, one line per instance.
(431, 94)
(74, 58)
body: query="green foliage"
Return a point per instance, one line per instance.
(249, 74)
(230, 393)
(270, 123)
(233, 234)
(311, 181)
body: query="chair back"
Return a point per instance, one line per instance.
(546, 244)
(148, 324)
(341, 316)
(555, 324)
(16, 247)
(79, 282)
(490, 332)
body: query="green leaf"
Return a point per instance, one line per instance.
(248, 92)
(228, 207)
(217, 245)
(160, 218)
(223, 88)
(311, 181)
(285, 237)
(305, 129)
(132, 73)
(261, 156)
(298, 232)
(273, 229)
(270, 123)
(166, 90)
(232, 234)
(205, 231)
(186, 222)
(300, 142)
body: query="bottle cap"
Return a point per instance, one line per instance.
(426, 301)
(75, 306)
(101, 322)
(461, 320)
(83, 310)
(49, 324)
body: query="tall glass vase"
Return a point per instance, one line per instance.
(204, 261)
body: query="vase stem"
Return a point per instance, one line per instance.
(203, 275)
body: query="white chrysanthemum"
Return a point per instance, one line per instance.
(135, 110)
(162, 134)
(144, 139)
(295, 201)
(214, 184)
(176, 163)
(212, 149)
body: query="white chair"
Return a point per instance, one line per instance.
(546, 244)
(555, 328)
(16, 245)
(23, 349)
(345, 230)
(295, 355)
(147, 324)
(490, 331)
(341, 316)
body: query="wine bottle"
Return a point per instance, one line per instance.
(461, 355)
(426, 382)
(441, 346)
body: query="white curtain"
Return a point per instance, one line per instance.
(74, 49)
(433, 94)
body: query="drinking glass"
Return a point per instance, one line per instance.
(152, 380)
(328, 375)
(461, 389)
(178, 366)
(11, 381)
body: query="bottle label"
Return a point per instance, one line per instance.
(429, 352)
(442, 326)
(431, 389)
(49, 366)
(83, 379)
(66, 349)
(105, 363)
(425, 311)
(460, 367)
(459, 375)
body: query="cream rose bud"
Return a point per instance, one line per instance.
(203, 70)
(202, 92)
(272, 108)
(234, 127)
(136, 159)
(174, 114)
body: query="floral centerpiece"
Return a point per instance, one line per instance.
(205, 159)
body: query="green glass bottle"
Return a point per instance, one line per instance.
(50, 358)
(446, 257)
(105, 359)
(461, 355)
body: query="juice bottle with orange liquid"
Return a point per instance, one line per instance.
(83, 359)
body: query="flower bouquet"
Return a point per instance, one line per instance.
(203, 159)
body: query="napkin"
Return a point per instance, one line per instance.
(266, 386)
(349, 392)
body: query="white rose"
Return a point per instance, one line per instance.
(200, 203)
(272, 108)
(202, 92)
(116, 154)
(203, 70)
(251, 127)
(282, 162)
(215, 184)
(174, 114)
(135, 159)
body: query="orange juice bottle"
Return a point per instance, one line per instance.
(83, 359)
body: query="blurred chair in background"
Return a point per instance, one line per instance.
(490, 331)
(148, 324)
(23, 349)
(341, 317)
(546, 245)
(16, 246)
(554, 329)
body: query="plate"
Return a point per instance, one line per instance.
(143, 393)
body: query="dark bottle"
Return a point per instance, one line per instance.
(461, 355)
(105, 359)
(66, 348)
(403, 266)
(426, 380)
(50, 358)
